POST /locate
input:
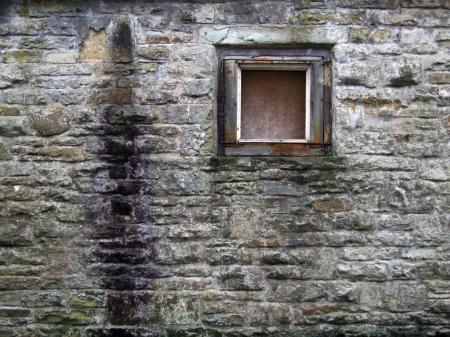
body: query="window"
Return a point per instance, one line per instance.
(275, 104)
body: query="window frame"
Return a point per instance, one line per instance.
(284, 64)
(316, 63)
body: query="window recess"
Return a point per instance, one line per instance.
(275, 105)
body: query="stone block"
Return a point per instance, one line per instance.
(234, 13)
(405, 296)
(273, 36)
(199, 88)
(70, 154)
(93, 46)
(62, 57)
(417, 41)
(364, 271)
(53, 124)
(118, 96)
(154, 53)
(22, 56)
(241, 278)
(443, 36)
(14, 312)
(407, 77)
(178, 253)
(382, 4)
(10, 75)
(371, 296)
(273, 13)
(421, 3)
(336, 205)
(440, 306)
(69, 317)
(167, 38)
(18, 233)
(86, 300)
(288, 291)
(439, 77)
(320, 17)
(13, 126)
(155, 144)
(121, 42)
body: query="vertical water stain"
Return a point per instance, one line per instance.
(123, 241)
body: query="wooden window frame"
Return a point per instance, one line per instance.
(292, 65)
(317, 139)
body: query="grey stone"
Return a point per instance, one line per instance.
(248, 36)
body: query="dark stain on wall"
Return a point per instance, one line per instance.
(122, 43)
(123, 248)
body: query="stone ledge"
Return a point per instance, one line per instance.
(226, 35)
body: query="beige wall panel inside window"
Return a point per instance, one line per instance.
(273, 104)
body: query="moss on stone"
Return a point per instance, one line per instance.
(405, 79)
(318, 17)
(84, 301)
(351, 81)
(7, 110)
(65, 317)
(61, 153)
(4, 155)
(22, 56)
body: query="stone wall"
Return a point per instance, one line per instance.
(119, 219)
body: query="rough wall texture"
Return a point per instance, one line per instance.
(119, 219)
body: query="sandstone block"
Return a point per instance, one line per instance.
(52, 124)
(9, 110)
(336, 205)
(93, 46)
(22, 56)
(119, 96)
(70, 154)
(439, 78)
(154, 53)
(320, 17)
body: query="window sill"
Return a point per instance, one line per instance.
(277, 150)
(256, 163)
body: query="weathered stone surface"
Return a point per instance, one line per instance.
(64, 317)
(158, 53)
(93, 46)
(336, 205)
(63, 57)
(121, 42)
(53, 124)
(22, 56)
(253, 36)
(11, 126)
(439, 78)
(119, 218)
(320, 17)
(58, 153)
